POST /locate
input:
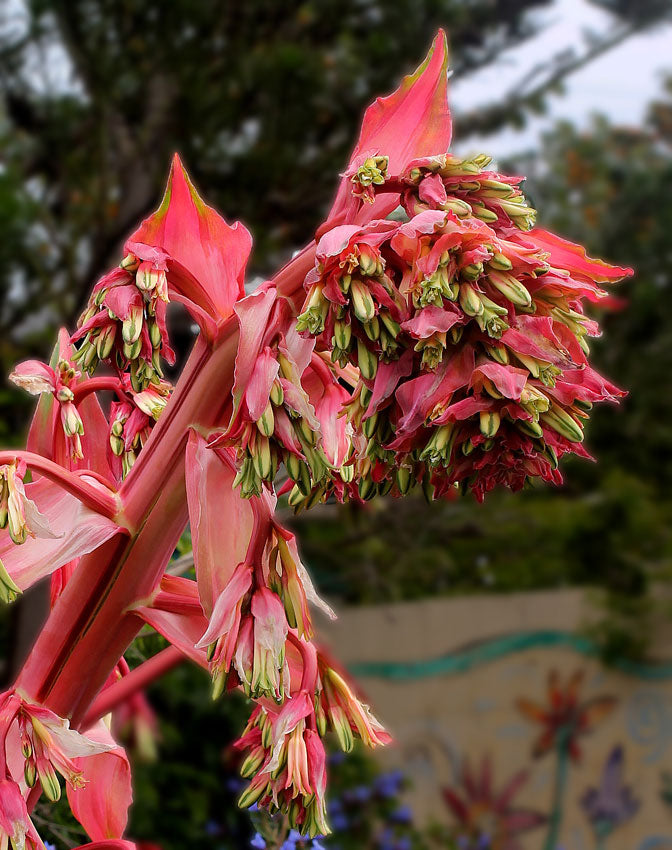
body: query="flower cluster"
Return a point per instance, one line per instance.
(258, 637)
(468, 331)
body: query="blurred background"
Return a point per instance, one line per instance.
(455, 616)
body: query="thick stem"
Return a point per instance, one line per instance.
(92, 623)
(135, 681)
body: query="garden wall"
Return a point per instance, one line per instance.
(465, 687)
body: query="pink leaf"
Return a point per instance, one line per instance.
(78, 531)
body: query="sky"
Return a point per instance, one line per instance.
(620, 84)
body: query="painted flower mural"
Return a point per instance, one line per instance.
(486, 817)
(564, 719)
(612, 803)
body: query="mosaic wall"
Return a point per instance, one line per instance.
(508, 726)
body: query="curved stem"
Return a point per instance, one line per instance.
(103, 503)
(94, 385)
(134, 681)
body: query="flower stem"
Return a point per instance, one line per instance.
(134, 681)
(561, 772)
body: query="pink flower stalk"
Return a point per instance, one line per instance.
(446, 345)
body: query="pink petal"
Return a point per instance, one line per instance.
(120, 299)
(270, 622)
(79, 529)
(335, 240)
(464, 409)
(419, 396)
(227, 605)
(567, 255)
(535, 336)
(509, 380)
(101, 806)
(34, 376)
(253, 314)
(259, 387)
(387, 379)
(431, 320)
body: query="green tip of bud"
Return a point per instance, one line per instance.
(9, 591)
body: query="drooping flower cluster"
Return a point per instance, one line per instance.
(468, 331)
(442, 344)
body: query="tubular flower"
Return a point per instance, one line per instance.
(37, 378)
(47, 745)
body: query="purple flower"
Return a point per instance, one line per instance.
(258, 842)
(402, 815)
(388, 784)
(612, 803)
(339, 821)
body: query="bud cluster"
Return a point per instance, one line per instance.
(284, 757)
(471, 344)
(466, 188)
(280, 410)
(125, 323)
(267, 595)
(131, 420)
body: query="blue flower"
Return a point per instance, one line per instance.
(258, 842)
(317, 844)
(388, 784)
(48, 846)
(339, 821)
(402, 815)
(291, 841)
